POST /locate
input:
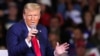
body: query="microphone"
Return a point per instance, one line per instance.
(36, 34)
(33, 27)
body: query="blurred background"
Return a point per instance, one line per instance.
(74, 21)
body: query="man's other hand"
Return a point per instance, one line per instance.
(61, 49)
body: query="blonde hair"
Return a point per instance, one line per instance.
(32, 6)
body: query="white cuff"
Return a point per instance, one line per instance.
(28, 43)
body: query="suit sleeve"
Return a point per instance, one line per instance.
(49, 49)
(15, 46)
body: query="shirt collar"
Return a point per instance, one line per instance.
(28, 27)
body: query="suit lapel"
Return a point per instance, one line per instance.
(24, 29)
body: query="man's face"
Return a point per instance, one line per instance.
(77, 34)
(31, 17)
(54, 23)
(88, 18)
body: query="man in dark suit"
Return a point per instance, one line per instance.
(23, 40)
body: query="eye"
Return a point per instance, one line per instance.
(35, 15)
(29, 15)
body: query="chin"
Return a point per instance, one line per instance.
(33, 24)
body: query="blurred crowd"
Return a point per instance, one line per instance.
(74, 21)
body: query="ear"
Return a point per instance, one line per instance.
(23, 16)
(40, 16)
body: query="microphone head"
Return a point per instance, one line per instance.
(33, 26)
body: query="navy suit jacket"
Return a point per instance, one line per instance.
(16, 41)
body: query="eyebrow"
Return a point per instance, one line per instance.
(29, 15)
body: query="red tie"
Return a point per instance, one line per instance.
(35, 46)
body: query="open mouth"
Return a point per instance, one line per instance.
(32, 22)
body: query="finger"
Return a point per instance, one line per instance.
(65, 48)
(29, 34)
(57, 44)
(66, 45)
(32, 35)
(34, 30)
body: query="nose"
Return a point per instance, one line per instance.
(33, 18)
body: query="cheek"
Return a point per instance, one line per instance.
(27, 21)
(37, 18)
